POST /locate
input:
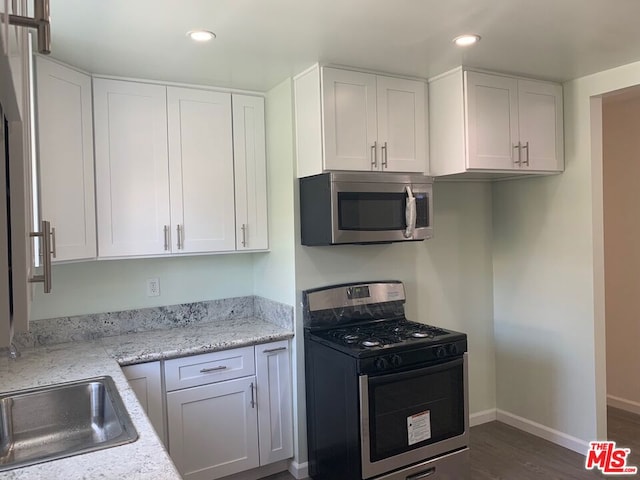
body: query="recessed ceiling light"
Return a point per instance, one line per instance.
(466, 40)
(201, 35)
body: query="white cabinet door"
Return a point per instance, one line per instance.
(65, 155)
(273, 373)
(540, 120)
(402, 126)
(350, 130)
(145, 381)
(492, 122)
(201, 164)
(250, 173)
(132, 174)
(213, 429)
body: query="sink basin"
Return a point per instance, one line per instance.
(46, 423)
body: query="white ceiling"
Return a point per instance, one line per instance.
(261, 42)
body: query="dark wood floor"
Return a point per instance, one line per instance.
(501, 452)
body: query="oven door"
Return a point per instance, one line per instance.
(408, 417)
(377, 211)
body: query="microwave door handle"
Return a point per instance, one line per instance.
(410, 213)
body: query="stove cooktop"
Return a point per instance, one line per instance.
(373, 338)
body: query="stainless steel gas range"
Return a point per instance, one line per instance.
(387, 398)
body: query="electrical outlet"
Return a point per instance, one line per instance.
(153, 287)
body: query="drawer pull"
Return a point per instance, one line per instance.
(253, 401)
(271, 350)
(425, 474)
(213, 369)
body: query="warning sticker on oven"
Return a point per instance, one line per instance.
(419, 427)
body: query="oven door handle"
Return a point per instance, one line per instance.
(410, 213)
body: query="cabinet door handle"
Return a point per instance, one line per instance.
(244, 234)
(374, 155)
(519, 147)
(180, 231)
(53, 242)
(213, 369)
(271, 350)
(166, 237)
(45, 249)
(253, 401)
(385, 155)
(40, 21)
(526, 147)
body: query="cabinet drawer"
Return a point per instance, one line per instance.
(209, 368)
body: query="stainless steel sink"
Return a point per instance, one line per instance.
(47, 423)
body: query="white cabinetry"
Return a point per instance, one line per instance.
(145, 381)
(165, 170)
(65, 158)
(249, 159)
(275, 427)
(490, 125)
(213, 429)
(348, 120)
(132, 175)
(229, 411)
(201, 171)
(16, 221)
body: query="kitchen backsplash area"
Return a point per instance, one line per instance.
(90, 327)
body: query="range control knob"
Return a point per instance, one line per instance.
(396, 360)
(381, 363)
(453, 349)
(441, 352)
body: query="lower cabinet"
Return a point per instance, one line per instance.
(275, 418)
(145, 381)
(229, 411)
(213, 429)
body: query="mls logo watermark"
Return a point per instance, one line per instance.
(609, 459)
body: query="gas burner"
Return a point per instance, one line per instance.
(420, 334)
(383, 334)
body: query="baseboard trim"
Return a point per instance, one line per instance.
(623, 404)
(542, 431)
(484, 416)
(260, 472)
(299, 470)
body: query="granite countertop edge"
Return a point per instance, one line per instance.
(145, 458)
(126, 360)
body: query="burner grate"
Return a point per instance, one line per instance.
(385, 333)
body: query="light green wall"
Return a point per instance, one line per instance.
(454, 277)
(113, 285)
(274, 275)
(549, 277)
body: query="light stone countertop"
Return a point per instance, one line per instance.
(146, 458)
(201, 338)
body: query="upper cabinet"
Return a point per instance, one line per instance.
(487, 125)
(201, 171)
(250, 166)
(132, 175)
(65, 158)
(349, 120)
(165, 170)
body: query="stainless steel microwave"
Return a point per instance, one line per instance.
(338, 208)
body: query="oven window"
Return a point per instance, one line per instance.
(371, 211)
(409, 410)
